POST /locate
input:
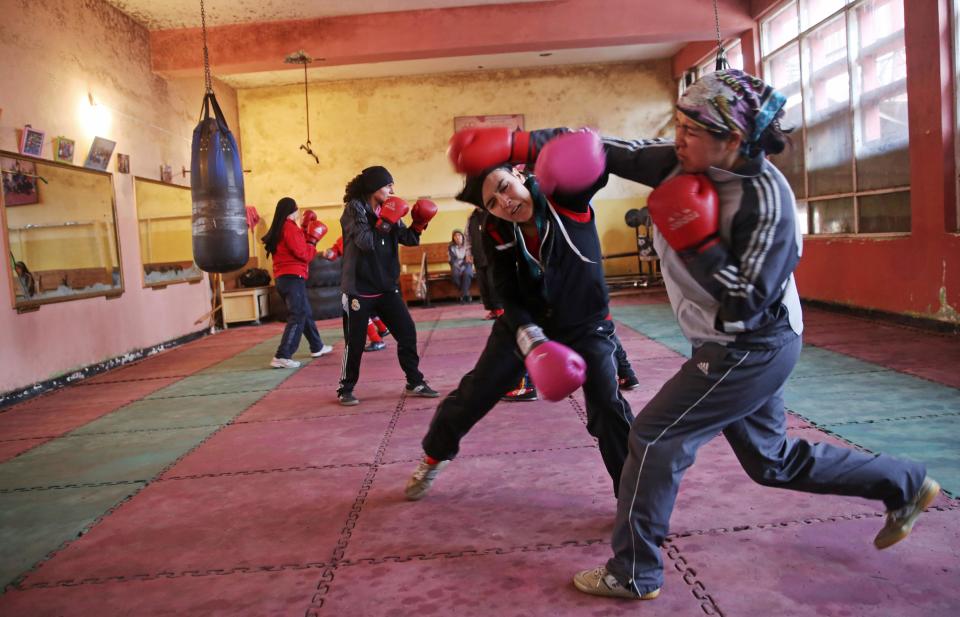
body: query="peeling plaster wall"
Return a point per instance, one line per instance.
(55, 52)
(405, 124)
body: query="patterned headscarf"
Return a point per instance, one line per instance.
(731, 100)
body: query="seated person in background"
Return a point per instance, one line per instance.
(461, 265)
(28, 285)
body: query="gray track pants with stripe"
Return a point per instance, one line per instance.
(740, 393)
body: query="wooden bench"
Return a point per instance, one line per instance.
(436, 268)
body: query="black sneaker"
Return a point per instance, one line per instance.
(422, 390)
(629, 383)
(347, 399)
(520, 394)
(375, 346)
(383, 333)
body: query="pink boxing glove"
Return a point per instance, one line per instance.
(570, 162)
(555, 369)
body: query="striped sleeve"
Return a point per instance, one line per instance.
(748, 274)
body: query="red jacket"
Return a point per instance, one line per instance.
(293, 254)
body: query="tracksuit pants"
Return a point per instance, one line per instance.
(500, 368)
(393, 312)
(740, 393)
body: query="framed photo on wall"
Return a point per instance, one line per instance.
(31, 141)
(123, 163)
(63, 149)
(512, 121)
(19, 182)
(100, 152)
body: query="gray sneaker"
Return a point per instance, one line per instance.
(347, 399)
(900, 521)
(599, 582)
(423, 476)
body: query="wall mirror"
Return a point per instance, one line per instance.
(164, 214)
(60, 222)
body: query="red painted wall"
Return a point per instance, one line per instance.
(918, 273)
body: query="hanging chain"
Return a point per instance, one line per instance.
(721, 54)
(206, 54)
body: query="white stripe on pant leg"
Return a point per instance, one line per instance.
(636, 487)
(344, 303)
(616, 372)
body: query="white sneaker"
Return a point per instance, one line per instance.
(323, 351)
(423, 476)
(284, 363)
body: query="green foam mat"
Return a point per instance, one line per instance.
(181, 412)
(34, 523)
(99, 458)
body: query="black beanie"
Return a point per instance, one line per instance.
(372, 179)
(472, 192)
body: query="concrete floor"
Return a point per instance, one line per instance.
(201, 482)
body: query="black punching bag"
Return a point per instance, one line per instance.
(216, 183)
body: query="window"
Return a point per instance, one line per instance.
(842, 66)
(734, 54)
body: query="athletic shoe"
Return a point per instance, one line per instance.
(347, 399)
(323, 351)
(599, 582)
(422, 390)
(284, 363)
(383, 333)
(629, 383)
(423, 476)
(375, 346)
(520, 394)
(900, 521)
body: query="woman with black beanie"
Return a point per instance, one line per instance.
(372, 233)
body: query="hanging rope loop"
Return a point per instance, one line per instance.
(301, 57)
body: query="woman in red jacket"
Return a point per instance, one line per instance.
(293, 248)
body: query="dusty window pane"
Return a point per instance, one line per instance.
(888, 212)
(783, 72)
(779, 28)
(883, 159)
(832, 216)
(813, 11)
(829, 147)
(803, 223)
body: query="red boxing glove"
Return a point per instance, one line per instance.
(306, 218)
(315, 231)
(686, 210)
(473, 150)
(556, 369)
(392, 210)
(423, 212)
(335, 251)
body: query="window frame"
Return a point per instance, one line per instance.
(853, 108)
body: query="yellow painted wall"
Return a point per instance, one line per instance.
(164, 212)
(405, 123)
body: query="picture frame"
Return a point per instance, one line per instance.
(31, 141)
(512, 121)
(123, 163)
(99, 155)
(19, 182)
(63, 149)
(166, 173)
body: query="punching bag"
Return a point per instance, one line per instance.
(216, 184)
